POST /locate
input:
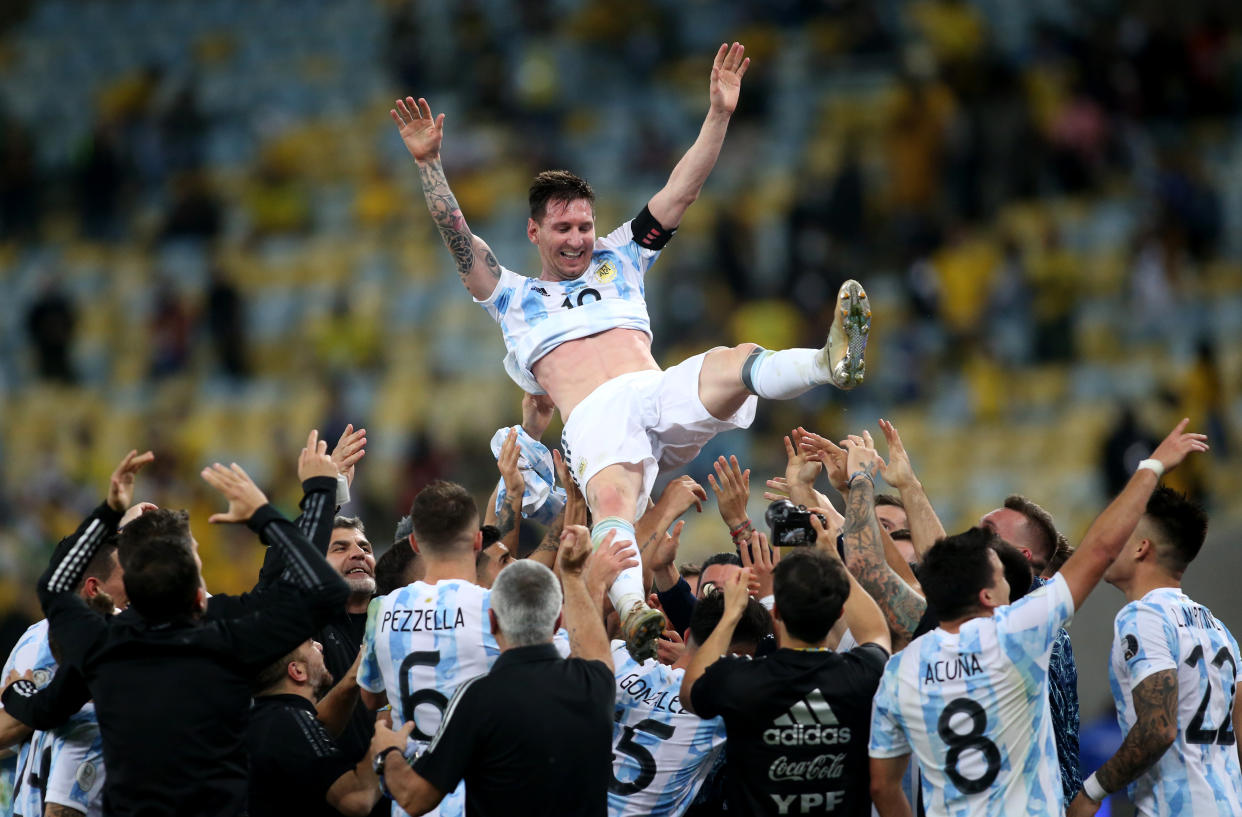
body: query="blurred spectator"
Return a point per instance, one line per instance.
(19, 184)
(170, 332)
(50, 323)
(1126, 446)
(99, 180)
(226, 323)
(195, 211)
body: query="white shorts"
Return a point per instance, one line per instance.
(652, 418)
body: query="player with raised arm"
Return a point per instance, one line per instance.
(970, 698)
(1174, 674)
(580, 331)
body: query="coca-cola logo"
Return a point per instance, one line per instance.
(823, 767)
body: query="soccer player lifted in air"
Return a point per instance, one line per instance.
(580, 333)
(970, 698)
(1174, 673)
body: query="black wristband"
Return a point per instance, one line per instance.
(648, 233)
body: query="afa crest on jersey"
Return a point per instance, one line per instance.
(606, 272)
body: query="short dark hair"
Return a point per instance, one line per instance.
(349, 522)
(491, 534)
(391, 567)
(443, 513)
(273, 673)
(955, 569)
(557, 185)
(889, 499)
(1018, 572)
(753, 627)
(161, 577)
(1179, 525)
(1051, 540)
(810, 588)
(102, 564)
(722, 558)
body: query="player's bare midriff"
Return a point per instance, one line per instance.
(576, 368)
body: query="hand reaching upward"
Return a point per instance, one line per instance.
(727, 71)
(421, 132)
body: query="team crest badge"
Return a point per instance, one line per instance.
(1131, 646)
(581, 469)
(606, 272)
(41, 677)
(86, 776)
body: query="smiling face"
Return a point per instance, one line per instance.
(350, 553)
(565, 237)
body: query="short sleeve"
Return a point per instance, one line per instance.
(508, 290)
(872, 657)
(711, 694)
(888, 735)
(1027, 630)
(446, 760)
(369, 676)
(1143, 637)
(621, 241)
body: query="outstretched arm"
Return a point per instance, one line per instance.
(422, 134)
(687, 178)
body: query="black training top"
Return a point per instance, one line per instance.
(531, 737)
(798, 723)
(293, 759)
(173, 697)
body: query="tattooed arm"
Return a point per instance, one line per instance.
(509, 516)
(864, 548)
(422, 134)
(1154, 731)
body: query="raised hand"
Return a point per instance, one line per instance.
(732, 488)
(350, 448)
(609, 559)
(314, 460)
(421, 132)
(862, 457)
(121, 483)
(726, 82)
(238, 488)
(681, 495)
(669, 648)
(799, 468)
(1174, 448)
(665, 552)
(829, 453)
(825, 538)
(537, 412)
(507, 463)
(575, 548)
(761, 560)
(737, 592)
(136, 511)
(897, 472)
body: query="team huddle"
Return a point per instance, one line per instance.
(797, 671)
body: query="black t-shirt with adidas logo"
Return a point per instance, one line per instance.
(798, 724)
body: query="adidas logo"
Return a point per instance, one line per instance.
(809, 722)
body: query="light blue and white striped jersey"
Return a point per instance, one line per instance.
(1166, 630)
(973, 707)
(542, 500)
(63, 752)
(536, 316)
(30, 653)
(422, 642)
(661, 753)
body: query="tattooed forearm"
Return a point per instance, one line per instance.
(446, 213)
(1155, 729)
(864, 556)
(506, 519)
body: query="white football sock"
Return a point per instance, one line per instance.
(786, 374)
(627, 588)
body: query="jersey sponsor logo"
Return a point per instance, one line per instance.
(964, 666)
(808, 803)
(809, 722)
(822, 767)
(606, 272)
(1131, 646)
(640, 690)
(415, 621)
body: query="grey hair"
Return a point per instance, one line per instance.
(527, 600)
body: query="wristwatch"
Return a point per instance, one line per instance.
(378, 766)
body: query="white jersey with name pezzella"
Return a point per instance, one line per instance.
(809, 722)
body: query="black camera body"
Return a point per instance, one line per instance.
(791, 524)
